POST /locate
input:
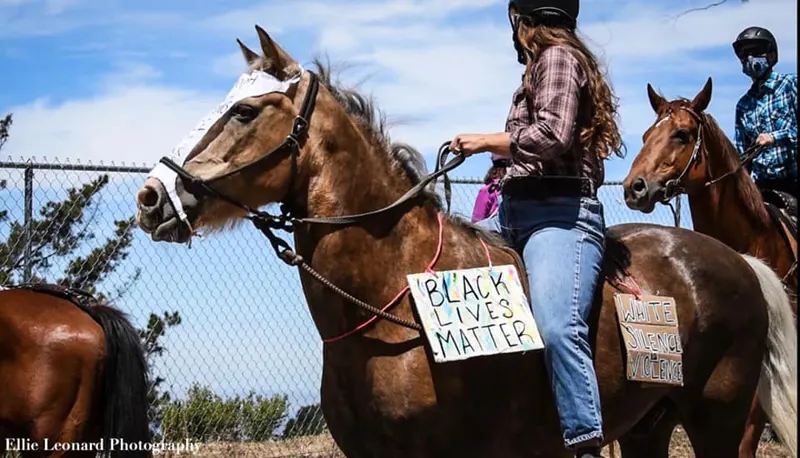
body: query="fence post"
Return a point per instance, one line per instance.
(27, 274)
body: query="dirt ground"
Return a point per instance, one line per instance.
(323, 447)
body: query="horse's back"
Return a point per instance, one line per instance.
(48, 346)
(690, 266)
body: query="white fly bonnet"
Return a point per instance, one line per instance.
(250, 84)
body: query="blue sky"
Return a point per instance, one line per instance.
(122, 82)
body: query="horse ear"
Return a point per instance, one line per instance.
(249, 55)
(277, 61)
(656, 101)
(703, 98)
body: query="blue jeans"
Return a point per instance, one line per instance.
(561, 241)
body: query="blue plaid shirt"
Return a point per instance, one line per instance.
(770, 108)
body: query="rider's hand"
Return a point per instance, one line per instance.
(764, 140)
(468, 144)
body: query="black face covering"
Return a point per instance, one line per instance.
(517, 45)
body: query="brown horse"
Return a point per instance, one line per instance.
(686, 150)
(382, 394)
(72, 376)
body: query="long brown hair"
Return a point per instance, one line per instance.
(495, 172)
(602, 133)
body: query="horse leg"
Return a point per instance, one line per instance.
(60, 435)
(651, 436)
(714, 414)
(756, 421)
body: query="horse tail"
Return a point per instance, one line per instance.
(777, 390)
(125, 386)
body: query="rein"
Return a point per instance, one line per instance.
(267, 223)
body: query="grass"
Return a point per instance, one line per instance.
(324, 447)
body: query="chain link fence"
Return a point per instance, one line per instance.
(234, 354)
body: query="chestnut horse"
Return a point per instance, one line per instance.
(72, 374)
(382, 394)
(685, 150)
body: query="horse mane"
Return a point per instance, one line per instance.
(373, 122)
(745, 188)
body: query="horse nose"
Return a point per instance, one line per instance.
(147, 198)
(639, 188)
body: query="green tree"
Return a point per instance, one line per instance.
(55, 238)
(5, 125)
(49, 246)
(308, 421)
(204, 416)
(151, 336)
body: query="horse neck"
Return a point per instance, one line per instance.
(369, 259)
(725, 210)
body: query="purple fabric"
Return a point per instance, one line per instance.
(486, 202)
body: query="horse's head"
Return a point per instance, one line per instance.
(255, 148)
(671, 151)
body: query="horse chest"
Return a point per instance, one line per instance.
(399, 386)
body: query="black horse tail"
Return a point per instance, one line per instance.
(126, 429)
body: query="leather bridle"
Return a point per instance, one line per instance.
(674, 187)
(291, 145)
(266, 222)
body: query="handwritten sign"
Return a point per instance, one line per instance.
(474, 312)
(649, 328)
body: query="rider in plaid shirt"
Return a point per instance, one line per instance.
(561, 125)
(767, 114)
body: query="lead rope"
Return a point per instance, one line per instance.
(382, 311)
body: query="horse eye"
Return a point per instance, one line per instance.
(244, 113)
(681, 135)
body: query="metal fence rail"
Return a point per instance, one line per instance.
(243, 364)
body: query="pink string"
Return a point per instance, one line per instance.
(428, 269)
(486, 250)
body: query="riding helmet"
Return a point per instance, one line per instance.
(756, 40)
(563, 13)
(561, 10)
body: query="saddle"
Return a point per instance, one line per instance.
(82, 299)
(782, 208)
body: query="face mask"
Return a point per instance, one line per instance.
(755, 66)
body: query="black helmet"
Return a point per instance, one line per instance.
(562, 13)
(756, 41)
(564, 10)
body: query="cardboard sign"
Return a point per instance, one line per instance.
(474, 312)
(649, 327)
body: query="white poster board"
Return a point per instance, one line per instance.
(474, 312)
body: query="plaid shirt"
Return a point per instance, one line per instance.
(770, 108)
(545, 127)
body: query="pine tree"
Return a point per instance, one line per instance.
(56, 235)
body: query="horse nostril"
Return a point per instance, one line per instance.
(147, 197)
(639, 187)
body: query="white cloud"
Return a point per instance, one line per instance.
(448, 75)
(129, 121)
